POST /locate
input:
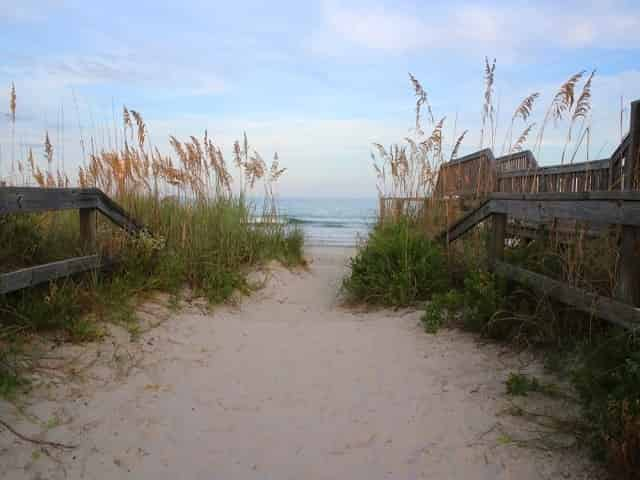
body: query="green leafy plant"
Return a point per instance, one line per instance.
(397, 266)
(440, 310)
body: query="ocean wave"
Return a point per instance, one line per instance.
(330, 222)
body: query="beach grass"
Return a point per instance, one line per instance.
(198, 235)
(601, 361)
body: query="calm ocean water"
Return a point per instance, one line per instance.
(330, 221)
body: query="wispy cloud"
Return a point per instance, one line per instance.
(503, 29)
(104, 69)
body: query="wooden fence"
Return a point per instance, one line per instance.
(516, 196)
(89, 202)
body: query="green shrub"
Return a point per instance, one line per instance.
(397, 266)
(519, 384)
(608, 382)
(440, 310)
(483, 298)
(207, 245)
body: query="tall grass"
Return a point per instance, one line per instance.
(396, 266)
(199, 233)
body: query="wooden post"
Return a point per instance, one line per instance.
(496, 239)
(631, 160)
(88, 229)
(628, 284)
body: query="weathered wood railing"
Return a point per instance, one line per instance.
(395, 206)
(518, 196)
(480, 173)
(576, 177)
(89, 202)
(610, 208)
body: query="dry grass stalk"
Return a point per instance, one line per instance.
(517, 147)
(488, 110)
(48, 149)
(562, 102)
(12, 111)
(580, 112)
(421, 99)
(524, 110)
(456, 147)
(12, 103)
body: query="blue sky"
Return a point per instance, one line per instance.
(316, 81)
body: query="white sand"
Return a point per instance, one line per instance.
(288, 385)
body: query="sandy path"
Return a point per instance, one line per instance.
(288, 386)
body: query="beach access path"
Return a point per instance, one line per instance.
(287, 384)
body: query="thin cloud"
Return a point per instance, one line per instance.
(473, 27)
(75, 71)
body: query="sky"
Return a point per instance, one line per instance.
(316, 81)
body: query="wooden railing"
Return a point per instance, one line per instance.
(518, 196)
(480, 173)
(611, 208)
(468, 177)
(89, 202)
(576, 177)
(395, 206)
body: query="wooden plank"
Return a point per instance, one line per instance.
(594, 207)
(580, 167)
(628, 284)
(28, 277)
(596, 211)
(569, 196)
(88, 229)
(36, 199)
(496, 240)
(466, 223)
(631, 160)
(470, 157)
(628, 281)
(502, 163)
(606, 308)
(117, 214)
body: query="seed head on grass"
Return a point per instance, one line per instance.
(12, 102)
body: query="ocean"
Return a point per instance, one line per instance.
(330, 221)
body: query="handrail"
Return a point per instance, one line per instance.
(611, 208)
(558, 169)
(17, 200)
(597, 207)
(37, 199)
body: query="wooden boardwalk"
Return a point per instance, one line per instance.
(516, 197)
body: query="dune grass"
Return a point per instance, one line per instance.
(396, 267)
(199, 235)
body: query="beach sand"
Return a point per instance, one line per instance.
(287, 384)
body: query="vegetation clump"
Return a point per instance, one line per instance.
(601, 360)
(199, 233)
(397, 266)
